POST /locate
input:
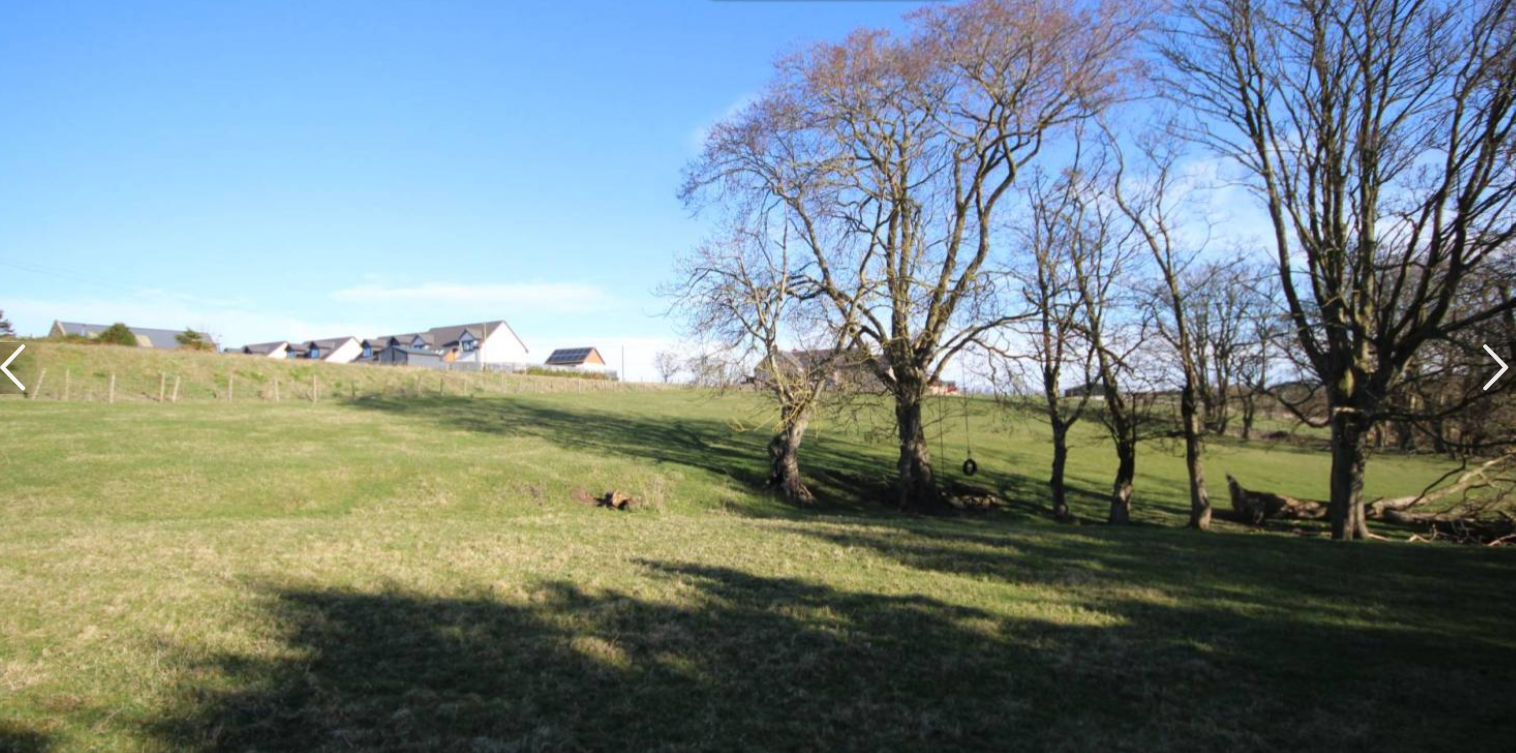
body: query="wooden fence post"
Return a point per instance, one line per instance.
(276, 390)
(175, 398)
(231, 387)
(37, 391)
(315, 389)
(111, 396)
(67, 374)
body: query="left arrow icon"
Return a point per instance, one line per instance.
(5, 367)
(1487, 385)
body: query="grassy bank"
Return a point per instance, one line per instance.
(412, 573)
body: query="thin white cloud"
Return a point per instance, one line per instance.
(558, 297)
(702, 130)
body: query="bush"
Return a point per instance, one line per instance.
(118, 334)
(191, 340)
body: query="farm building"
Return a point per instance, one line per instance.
(587, 359)
(161, 339)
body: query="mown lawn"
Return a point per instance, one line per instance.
(413, 574)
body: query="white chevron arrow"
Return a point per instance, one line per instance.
(1488, 384)
(3, 367)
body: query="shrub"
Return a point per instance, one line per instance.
(191, 340)
(118, 334)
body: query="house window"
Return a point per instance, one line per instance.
(470, 344)
(418, 343)
(315, 353)
(368, 351)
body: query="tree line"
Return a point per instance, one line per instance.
(1049, 188)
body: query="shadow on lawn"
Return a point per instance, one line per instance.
(730, 660)
(14, 739)
(846, 475)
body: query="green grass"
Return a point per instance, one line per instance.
(412, 574)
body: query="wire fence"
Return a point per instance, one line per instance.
(135, 384)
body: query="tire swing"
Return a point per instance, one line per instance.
(969, 466)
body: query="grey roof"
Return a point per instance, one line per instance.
(570, 356)
(264, 348)
(330, 342)
(162, 339)
(441, 337)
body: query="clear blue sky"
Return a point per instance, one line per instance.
(273, 170)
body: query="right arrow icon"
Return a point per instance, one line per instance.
(1503, 367)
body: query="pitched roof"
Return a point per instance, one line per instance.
(264, 348)
(330, 342)
(570, 356)
(163, 339)
(441, 337)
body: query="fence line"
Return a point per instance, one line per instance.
(151, 385)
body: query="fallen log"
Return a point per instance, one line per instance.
(1389, 508)
(1256, 507)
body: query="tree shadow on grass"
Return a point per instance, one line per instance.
(722, 659)
(844, 479)
(16, 739)
(846, 476)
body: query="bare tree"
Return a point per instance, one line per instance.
(5, 326)
(743, 293)
(1152, 213)
(1101, 273)
(1051, 344)
(668, 364)
(1378, 136)
(908, 146)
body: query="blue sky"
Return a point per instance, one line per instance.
(273, 170)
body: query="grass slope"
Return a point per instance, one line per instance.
(408, 574)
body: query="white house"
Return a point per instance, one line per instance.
(331, 350)
(484, 343)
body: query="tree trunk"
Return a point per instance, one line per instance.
(784, 457)
(1060, 460)
(917, 489)
(1349, 456)
(1121, 488)
(1200, 501)
(1249, 412)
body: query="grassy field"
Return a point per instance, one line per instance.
(414, 574)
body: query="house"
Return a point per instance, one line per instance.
(1091, 389)
(331, 350)
(405, 355)
(482, 344)
(278, 349)
(846, 370)
(161, 339)
(587, 359)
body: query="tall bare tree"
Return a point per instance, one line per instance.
(743, 294)
(1045, 350)
(1378, 137)
(909, 145)
(1153, 214)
